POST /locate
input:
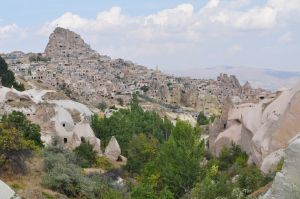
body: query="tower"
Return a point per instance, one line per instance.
(156, 72)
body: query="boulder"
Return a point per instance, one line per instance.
(271, 161)
(6, 191)
(113, 150)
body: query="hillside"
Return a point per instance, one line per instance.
(258, 77)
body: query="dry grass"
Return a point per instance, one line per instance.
(75, 115)
(55, 96)
(18, 104)
(29, 183)
(261, 191)
(50, 109)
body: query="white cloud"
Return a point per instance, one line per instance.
(239, 3)
(286, 37)
(7, 31)
(235, 48)
(1, 20)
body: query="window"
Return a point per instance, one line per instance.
(64, 125)
(65, 140)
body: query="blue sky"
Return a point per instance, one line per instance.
(173, 34)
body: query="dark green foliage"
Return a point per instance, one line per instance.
(180, 157)
(229, 156)
(201, 118)
(251, 178)
(218, 186)
(8, 78)
(113, 107)
(102, 105)
(123, 124)
(143, 191)
(142, 149)
(86, 151)
(121, 101)
(30, 131)
(145, 88)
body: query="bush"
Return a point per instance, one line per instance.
(102, 162)
(143, 191)
(86, 151)
(102, 105)
(229, 156)
(113, 107)
(62, 173)
(251, 179)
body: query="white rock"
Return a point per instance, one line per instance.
(6, 192)
(113, 150)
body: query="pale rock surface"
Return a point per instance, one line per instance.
(289, 176)
(113, 150)
(279, 124)
(233, 133)
(6, 192)
(271, 161)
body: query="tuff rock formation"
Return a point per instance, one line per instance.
(54, 116)
(113, 150)
(288, 179)
(63, 43)
(262, 130)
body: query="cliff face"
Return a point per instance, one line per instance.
(63, 42)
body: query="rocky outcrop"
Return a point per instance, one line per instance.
(288, 179)
(63, 43)
(113, 150)
(51, 115)
(262, 130)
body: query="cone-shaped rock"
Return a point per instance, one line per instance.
(113, 150)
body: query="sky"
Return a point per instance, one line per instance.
(172, 34)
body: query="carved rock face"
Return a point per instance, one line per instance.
(63, 42)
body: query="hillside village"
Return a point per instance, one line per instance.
(65, 84)
(90, 78)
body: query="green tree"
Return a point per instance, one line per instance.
(145, 88)
(29, 71)
(7, 76)
(30, 131)
(169, 84)
(180, 157)
(14, 149)
(121, 101)
(201, 118)
(142, 149)
(86, 151)
(134, 104)
(32, 58)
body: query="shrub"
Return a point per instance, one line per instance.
(16, 186)
(86, 151)
(102, 105)
(102, 162)
(67, 178)
(229, 156)
(251, 178)
(143, 191)
(62, 173)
